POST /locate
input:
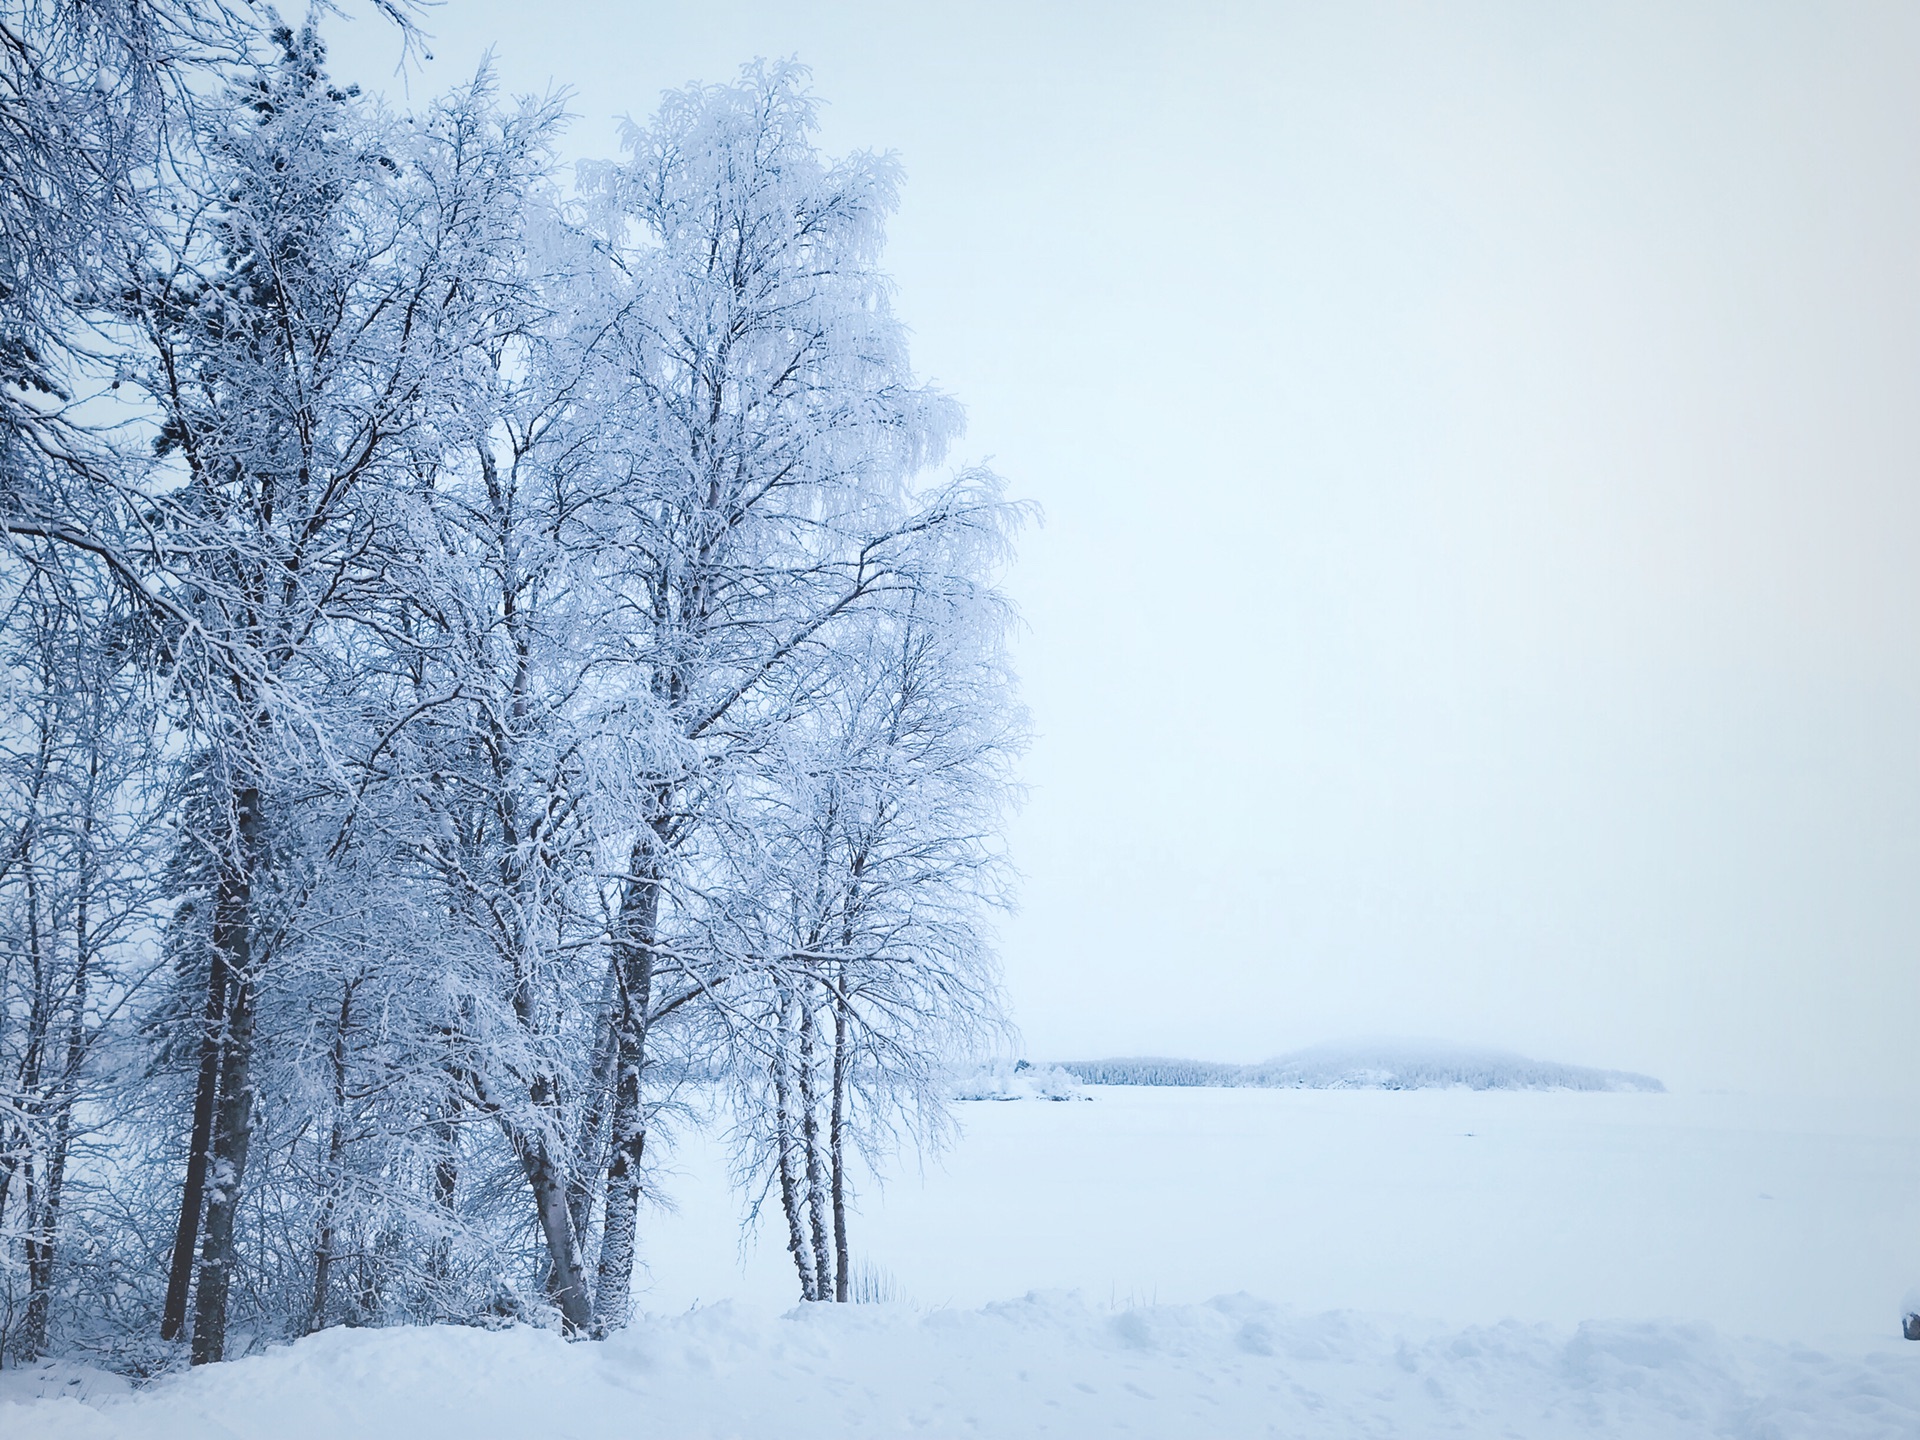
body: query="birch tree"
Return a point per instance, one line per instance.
(870, 857)
(763, 421)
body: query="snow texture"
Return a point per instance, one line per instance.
(1049, 1364)
(1368, 1065)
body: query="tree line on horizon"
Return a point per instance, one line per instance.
(1386, 1065)
(492, 673)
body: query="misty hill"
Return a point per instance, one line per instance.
(1367, 1065)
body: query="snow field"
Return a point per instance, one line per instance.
(1047, 1365)
(1796, 1220)
(1686, 1222)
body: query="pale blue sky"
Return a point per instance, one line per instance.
(1480, 595)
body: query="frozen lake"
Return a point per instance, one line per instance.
(1793, 1219)
(1588, 1218)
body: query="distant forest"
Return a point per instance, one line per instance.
(1357, 1068)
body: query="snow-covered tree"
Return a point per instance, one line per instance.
(82, 793)
(762, 423)
(869, 856)
(305, 331)
(478, 665)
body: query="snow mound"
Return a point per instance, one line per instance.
(1050, 1364)
(1018, 1080)
(1369, 1065)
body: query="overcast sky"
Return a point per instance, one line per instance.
(1480, 590)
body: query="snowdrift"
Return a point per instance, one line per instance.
(1051, 1364)
(1368, 1065)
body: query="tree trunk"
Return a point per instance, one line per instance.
(836, 1140)
(566, 1284)
(227, 1170)
(446, 1184)
(173, 1318)
(34, 1197)
(810, 1150)
(233, 1118)
(40, 1019)
(569, 1285)
(322, 1258)
(324, 1236)
(41, 1257)
(546, 1177)
(17, 1142)
(783, 1141)
(619, 1234)
(589, 1150)
(636, 934)
(42, 1244)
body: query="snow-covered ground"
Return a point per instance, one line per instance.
(1048, 1365)
(1797, 1219)
(1426, 1263)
